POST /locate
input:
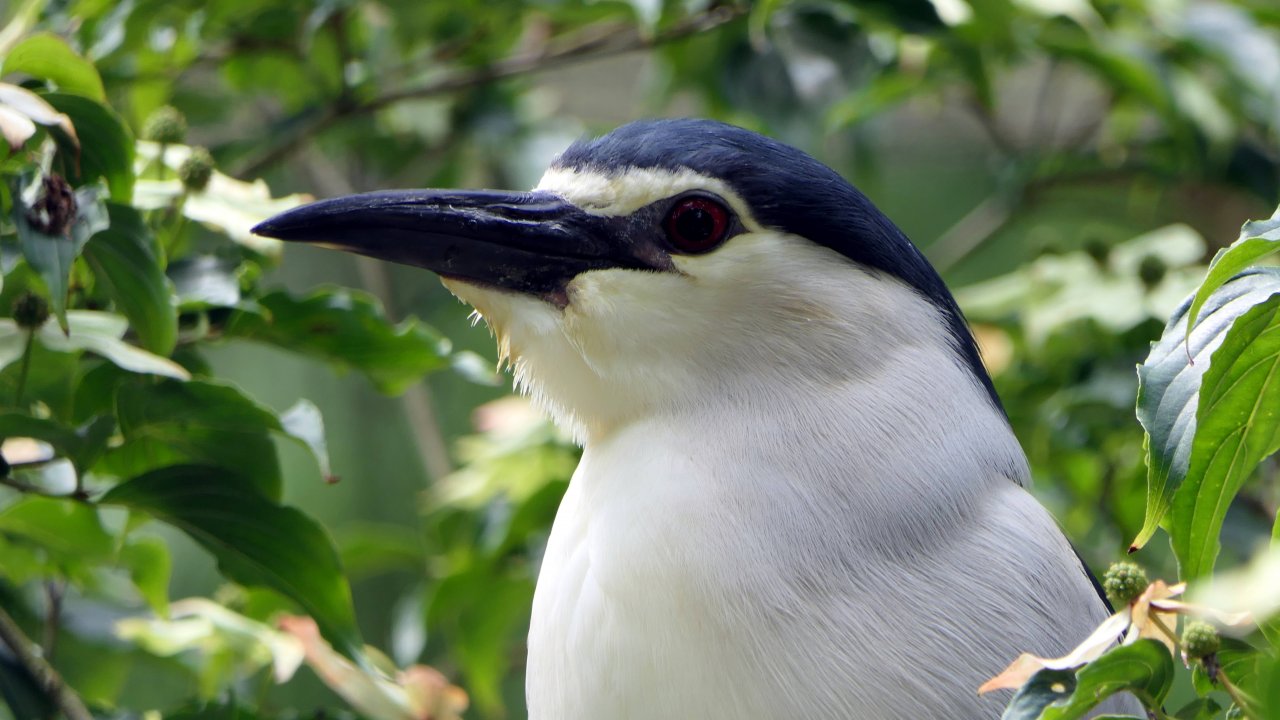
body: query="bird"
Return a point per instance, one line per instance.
(799, 494)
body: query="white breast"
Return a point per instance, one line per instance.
(691, 573)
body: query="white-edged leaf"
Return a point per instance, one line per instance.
(304, 423)
(92, 331)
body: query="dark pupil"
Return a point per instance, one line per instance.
(695, 224)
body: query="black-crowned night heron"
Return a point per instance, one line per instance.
(799, 496)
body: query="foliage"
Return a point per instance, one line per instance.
(1207, 403)
(1109, 139)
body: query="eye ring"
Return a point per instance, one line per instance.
(696, 224)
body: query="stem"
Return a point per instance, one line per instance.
(26, 366)
(53, 618)
(48, 679)
(80, 494)
(1168, 631)
(1239, 697)
(179, 221)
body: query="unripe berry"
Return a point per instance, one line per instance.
(1151, 271)
(30, 311)
(196, 170)
(166, 125)
(1124, 582)
(1200, 639)
(1098, 249)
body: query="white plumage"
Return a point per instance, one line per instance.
(798, 497)
(793, 502)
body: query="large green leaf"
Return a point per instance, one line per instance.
(51, 254)
(1169, 384)
(1144, 669)
(256, 541)
(1258, 238)
(149, 564)
(106, 145)
(349, 329)
(48, 57)
(1270, 684)
(69, 529)
(126, 262)
(1237, 426)
(197, 422)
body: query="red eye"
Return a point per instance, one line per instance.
(696, 224)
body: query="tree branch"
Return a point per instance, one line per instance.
(48, 679)
(595, 43)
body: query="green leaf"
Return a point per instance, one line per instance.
(50, 378)
(1199, 709)
(1044, 688)
(370, 549)
(348, 329)
(1237, 427)
(1270, 684)
(875, 97)
(1145, 669)
(51, 255)
(126, 262)
(67, 528)
(1169, 384)
(106, 145)
(256, 541)
(149, 565)
(48, 57)
(1258, 238)
(199, 422)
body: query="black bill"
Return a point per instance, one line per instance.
(526, 242)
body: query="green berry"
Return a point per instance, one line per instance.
(1124, 582)
(1200, 639)
(196, 170)
(166, 125)
(1098, 249)
(30, 311)
(1151, 271)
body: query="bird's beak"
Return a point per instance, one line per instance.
(526, 242)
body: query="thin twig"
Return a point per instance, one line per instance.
(1243, 700)
(24, 368)
(48, 679)
(593, 46)
(53, 617)
(79, 495)
(1038, 134)
(970, 231)
(994, 130)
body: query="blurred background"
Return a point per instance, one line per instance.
(1068, 165)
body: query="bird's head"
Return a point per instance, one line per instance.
(668, 265)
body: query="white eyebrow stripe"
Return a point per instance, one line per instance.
(623, 193)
